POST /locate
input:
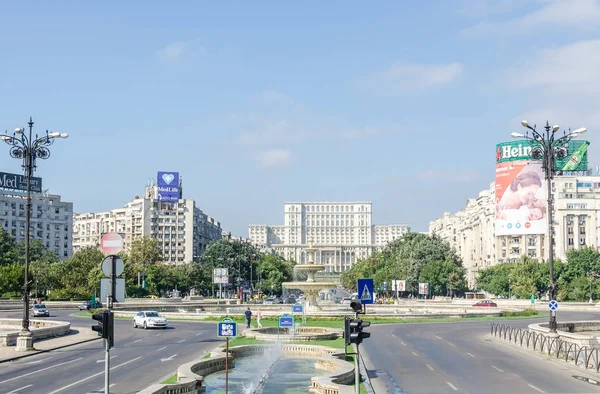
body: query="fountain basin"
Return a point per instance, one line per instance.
(303, 334)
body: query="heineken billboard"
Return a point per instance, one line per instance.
(576, 159)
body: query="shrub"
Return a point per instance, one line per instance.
(525, 312)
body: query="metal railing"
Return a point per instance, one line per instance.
(581, 356)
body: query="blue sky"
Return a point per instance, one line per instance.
(259, 103)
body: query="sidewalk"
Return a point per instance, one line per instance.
(77, 335)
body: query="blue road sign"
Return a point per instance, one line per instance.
(365, 290)
(553, 305)
(297, 308)
(286, 321)
(227, 328)
(384, 286)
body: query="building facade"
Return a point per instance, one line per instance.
(183, 231)
(342, 232)
(51, 220)
(471, 231)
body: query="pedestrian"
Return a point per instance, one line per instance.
(248, 314)
(258, 316)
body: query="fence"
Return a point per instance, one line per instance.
(582, 356)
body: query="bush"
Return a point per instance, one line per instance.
(525, 312)
(137, 292)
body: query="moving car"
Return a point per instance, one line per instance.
(40, 310)
(149, 319)
(486, 303)
(87, 305)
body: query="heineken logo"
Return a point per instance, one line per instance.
(510, 151)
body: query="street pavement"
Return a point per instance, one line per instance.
(139, 358)
(461, 358)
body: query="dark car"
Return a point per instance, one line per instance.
(87, 305)
(486, 303)
(291, 299)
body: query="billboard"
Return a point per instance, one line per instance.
(168, 186)
(399, 285)
(424, 288)
(576, 159)
(521, 206)
(19, 183)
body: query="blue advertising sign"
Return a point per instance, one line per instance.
(19, 182)
(168, 186)
(365, 291)
(286, 321)
(297, 308)
(227, 328)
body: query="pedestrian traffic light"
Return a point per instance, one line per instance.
(347, 330)
(356, 331)
(106, 326)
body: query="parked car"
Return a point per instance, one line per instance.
(40, 310)
(87, 305)
(272, 300)
(291, 299)
(346, 301)
(486, 303)
(149, 319)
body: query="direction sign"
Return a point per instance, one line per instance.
(111, 243)
(227, 328)
(297, 308)
(107, 265)
(553, 305)
(286, 321)
(365, 290)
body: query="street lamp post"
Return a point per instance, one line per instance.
(548, 148)
(24, 147)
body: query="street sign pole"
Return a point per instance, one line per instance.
(226, 365)
(106, 354)
(356, 372)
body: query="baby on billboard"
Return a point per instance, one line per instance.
(522, 199)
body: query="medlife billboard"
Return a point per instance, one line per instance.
(168, 186)
(19, 182)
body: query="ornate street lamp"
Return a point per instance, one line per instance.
(548, 148)
(24, 147)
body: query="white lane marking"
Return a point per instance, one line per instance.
(41, 370)
(162, 348)
(162, 360)
(40, 361)
(183, 340)
(101, 361)
(497, 369)
(415, 353)
(102, 389)
(535, 388)
(157, 335)
(438, 337)
(394, 335)
(451, 385)
(471, 354)
(24, 387)
(139, 340)
(199, 334)
(93, 376)
(403, 344)
(429, 366)
(451, 344)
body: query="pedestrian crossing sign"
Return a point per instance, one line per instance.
(365, 290)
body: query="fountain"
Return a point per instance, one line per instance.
(311, 287)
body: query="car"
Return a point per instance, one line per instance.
(149, 319)
(346, 301)
(87, 305)
(485, 303)
(40, 310)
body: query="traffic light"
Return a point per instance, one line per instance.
(356, 305)
(347, 330)
(106, 326)
(356, 331)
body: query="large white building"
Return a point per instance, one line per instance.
(183, 231)
(342, 232)
(471, 231)
(51, 220)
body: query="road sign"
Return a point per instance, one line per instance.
(220, 275)
(107, 266)
(365, 291)
(553, 305)
(119, 295)
(286, 321)
(111, 243)
(297, 308)
(227, 328)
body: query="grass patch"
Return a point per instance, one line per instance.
(89, 314)
(169, 380)
(207, 355)
(523, 313)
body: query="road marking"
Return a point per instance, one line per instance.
(102, 389)
(438, 337)
(403, 344)
(497, 369)
(535, 388)
(415, 353)
(162, 348)
(199, 334)
(157, 335)
(394, 335)
(162, 360)
(24, 387)
(183, 340)
(470, 354)
(92, 376)
(137, 341)
(451, 344)
(101, 361)
(429, 366)
(40, 370)
(39, 361)
(451, 385)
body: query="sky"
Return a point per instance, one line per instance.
(265, 102)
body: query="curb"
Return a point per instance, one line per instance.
(33, 353)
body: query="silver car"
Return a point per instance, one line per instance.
(40, 310)
(149, 319)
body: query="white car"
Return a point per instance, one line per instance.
(149, 319)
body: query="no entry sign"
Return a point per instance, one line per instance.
(111, 243)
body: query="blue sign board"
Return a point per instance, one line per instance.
(286, 321)
(168, 186)
(227, 328)
(553, 305)
(365, 291)
(297, 308)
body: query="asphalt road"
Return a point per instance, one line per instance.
(460, 358)
(139, 359)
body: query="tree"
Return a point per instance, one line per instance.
(79, 276)
(11, 278)
(442, 277)
(143, 252)
(7, 249)
(240, 258)
(275, 271)
(495, 279)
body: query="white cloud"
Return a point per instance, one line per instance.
(273, 158)
(401, 78)
(172, 52)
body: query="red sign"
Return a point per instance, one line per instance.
(111, 243)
